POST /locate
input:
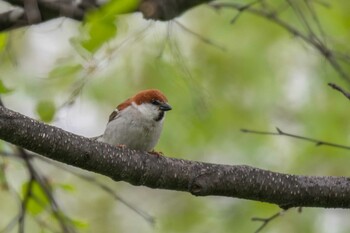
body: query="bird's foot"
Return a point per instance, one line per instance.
(156, 153)
(121, 146)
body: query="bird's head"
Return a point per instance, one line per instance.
(151, 103)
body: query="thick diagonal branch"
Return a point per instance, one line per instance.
(202, 179)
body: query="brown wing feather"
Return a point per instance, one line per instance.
(113, 115)
(120, 107)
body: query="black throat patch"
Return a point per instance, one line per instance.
(160, 116)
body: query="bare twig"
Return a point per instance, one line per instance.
(309, 39)
(266, 221)
(300, 15)
(13, 222)
(242, 9)
(3, 181)
(91, 179)
(341, 90)
(42, 181)
(179, 59)
(150, 219)
(198, 36)
(26, 198)
(281, 133)
(94, 64)
(314, 16)
(44, 225)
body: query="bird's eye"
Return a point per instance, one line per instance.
(155, 102)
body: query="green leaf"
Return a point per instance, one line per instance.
(38, 201)
(76, 43)
(3, 88)
(66, 187)
(80, 224)
(77, 223)
(3, 41)
(64, 71)
(100, 24)
(99, 33)
(46, 110)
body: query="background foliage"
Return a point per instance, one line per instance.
(252, 74)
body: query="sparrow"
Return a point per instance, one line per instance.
(137, 122)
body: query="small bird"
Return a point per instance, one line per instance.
(137, 122)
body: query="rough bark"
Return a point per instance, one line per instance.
(201, 179)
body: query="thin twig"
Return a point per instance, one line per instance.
(281, 133)
(44, 225)
(78, 85)
(11, 224)
(316, 19)
(150, 219)
(266, 221)
(341, 90)
(299, 14)
(179, 59)
(198, 36)
(242, 9)
(3, 181)
(26, 198)
(311, 40)
(47, 190)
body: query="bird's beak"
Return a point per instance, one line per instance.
(165, 107)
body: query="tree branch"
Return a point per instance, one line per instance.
(341, 90)
(310, 38)
(92, 179)
(266, 221)
(200, 179)
(167, 9)
(282, 133)
(43, 10)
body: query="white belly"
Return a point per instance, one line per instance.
(138, 134)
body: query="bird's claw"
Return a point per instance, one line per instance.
(156, 153)
(121, 146)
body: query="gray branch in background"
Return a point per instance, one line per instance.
(30, 12)
(167, 9)
(38, 11)
(200, 179)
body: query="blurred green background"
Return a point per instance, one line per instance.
(253, 75)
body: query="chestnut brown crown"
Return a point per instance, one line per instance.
(150, 96)
(145, 96)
